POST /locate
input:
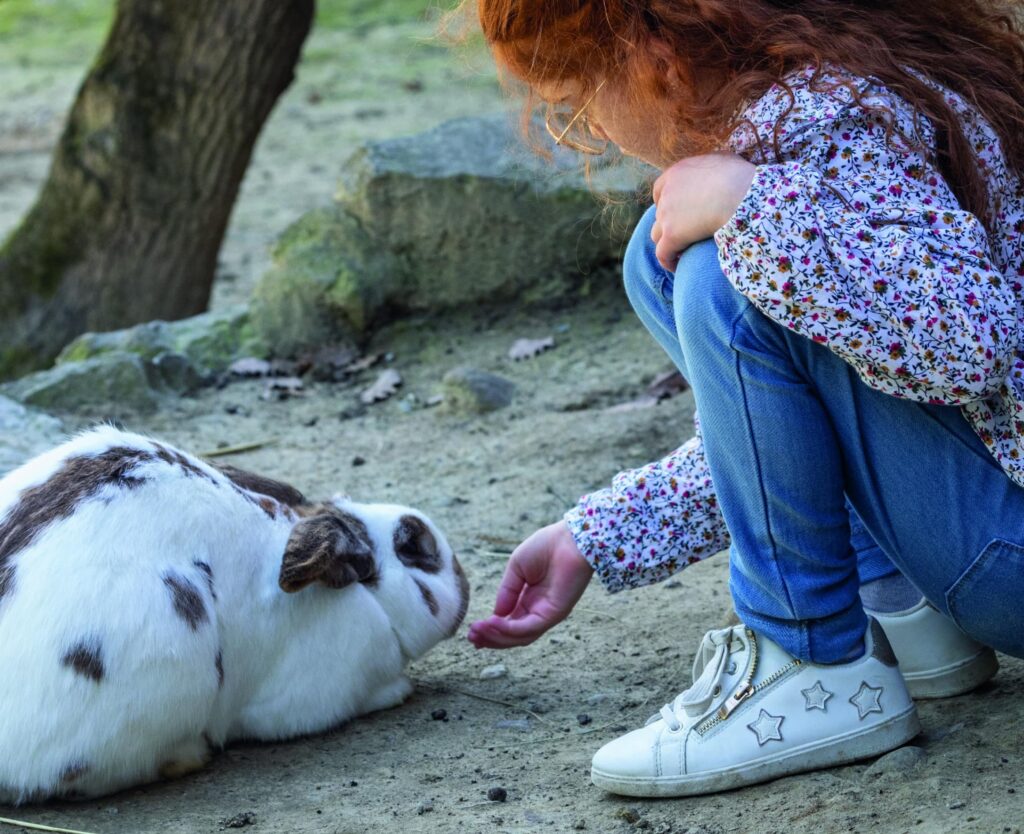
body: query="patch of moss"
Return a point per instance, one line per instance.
(53, 32)
(363, 14)
(16, 361)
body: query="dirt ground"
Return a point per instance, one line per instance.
(488, 481)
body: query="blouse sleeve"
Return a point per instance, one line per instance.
(651, 522)
(862, 246)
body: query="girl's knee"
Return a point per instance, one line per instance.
(703, 297)
(642, 275)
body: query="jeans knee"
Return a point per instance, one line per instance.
(644, 278)
(706, 303)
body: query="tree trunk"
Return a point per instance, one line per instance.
(129, 223)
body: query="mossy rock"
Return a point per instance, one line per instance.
(328, 283)
(211, 341)
(112, 383)
(460, 215)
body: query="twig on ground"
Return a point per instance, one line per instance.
(487, 537)
(34, 826)
(236, 450)
(439, 688)
(550, 490)
(597, 613)
(504, 554)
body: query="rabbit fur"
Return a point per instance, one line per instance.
(154, 607)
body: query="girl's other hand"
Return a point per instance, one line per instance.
(545, 577)
(694, 199)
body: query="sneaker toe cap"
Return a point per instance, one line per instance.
(632, 755)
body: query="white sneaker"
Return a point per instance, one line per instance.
(936, 658)
(755, 713)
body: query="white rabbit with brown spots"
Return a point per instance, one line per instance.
(154, 607)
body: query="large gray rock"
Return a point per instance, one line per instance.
(461, 215)
(112, 383)
(210, 341)
(24, 433)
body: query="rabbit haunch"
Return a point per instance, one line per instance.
(154, 607)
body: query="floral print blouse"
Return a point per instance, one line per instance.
(857, 243)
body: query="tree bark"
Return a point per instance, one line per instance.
(140, 190)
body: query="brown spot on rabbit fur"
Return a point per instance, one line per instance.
(286, 494)
(332, 547)
(428, 597)
(86, 660)
(460, 574)
(176, 458)
(78, 479)
(188, 602)
(207, 572)
(415, 545)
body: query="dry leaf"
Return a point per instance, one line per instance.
(528, 348)
(667, 385)
(282, 388)
(330, 364)
(364, 363)
(633, 405)
(250, 366)
(386, 385)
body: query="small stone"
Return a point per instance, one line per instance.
(583, 719)
(472, 391)
(899, 762)
(425, 808)
(358, 460)
(240, 820)
(498, 670)
(956, 805)
(497, 794)
(598, 698)
(353, 784)
(439, 715)
(579, 825)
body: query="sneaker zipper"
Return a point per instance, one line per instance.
(746, 689)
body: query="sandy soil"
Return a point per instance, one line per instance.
(489, 481)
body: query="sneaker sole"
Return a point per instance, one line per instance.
(955, 679)
(863, 744)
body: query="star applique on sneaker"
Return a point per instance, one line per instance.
(867, 700)
(816, 697)
(767, 728)
(746, 686)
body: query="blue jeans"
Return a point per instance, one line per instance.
(825, 483)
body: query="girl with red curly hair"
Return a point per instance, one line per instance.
(835, 260)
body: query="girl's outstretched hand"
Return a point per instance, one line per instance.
(545, 577)
(694, 199)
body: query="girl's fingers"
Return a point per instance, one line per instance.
(666, 254)
(503, 633)
(512, 584)
(659, 183)
(656, 232)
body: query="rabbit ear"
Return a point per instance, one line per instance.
(332, 547)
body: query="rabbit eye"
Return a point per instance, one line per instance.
(416, 546)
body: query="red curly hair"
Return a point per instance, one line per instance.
(974, 47)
